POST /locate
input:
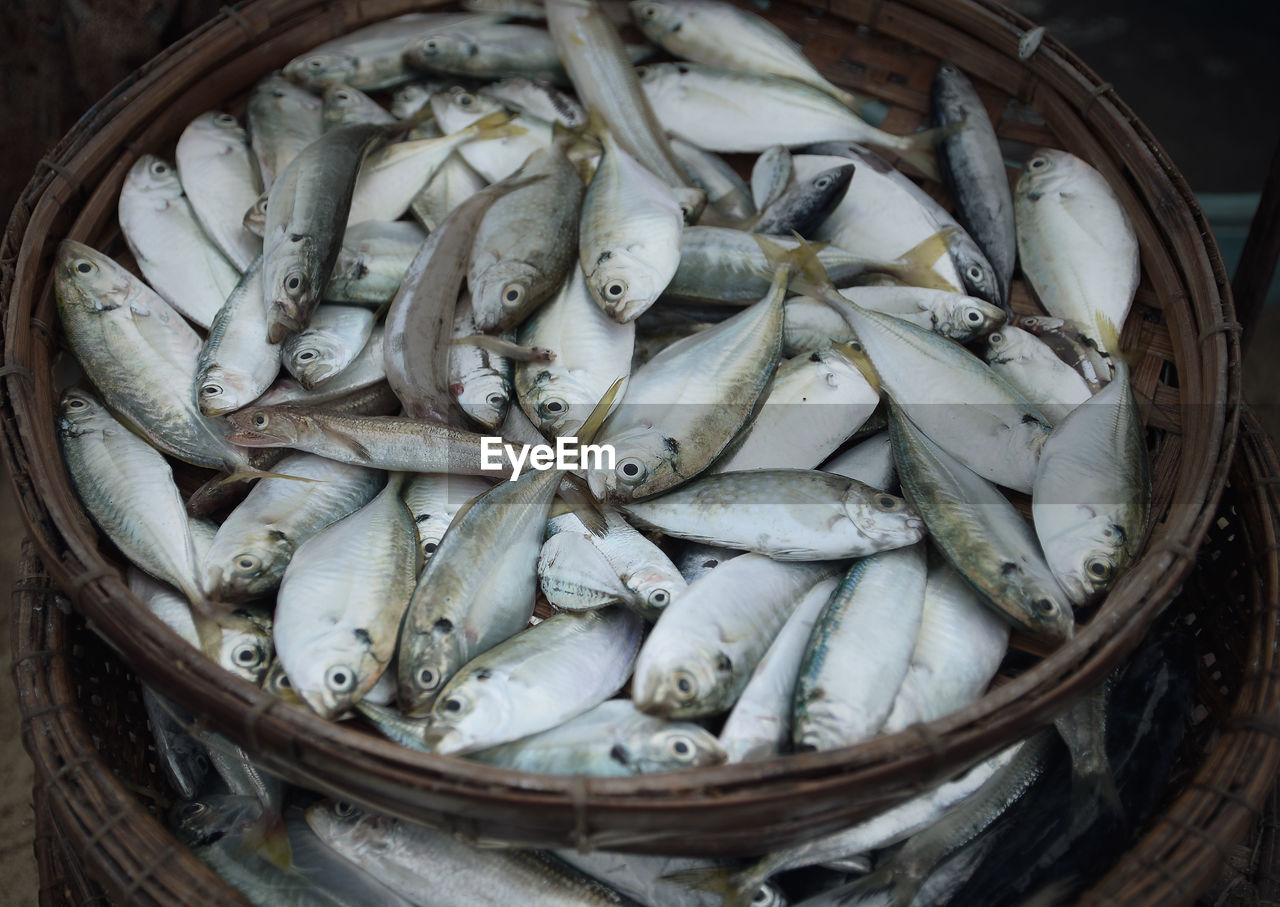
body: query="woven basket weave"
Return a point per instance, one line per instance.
(94, 773)
(1189, 371)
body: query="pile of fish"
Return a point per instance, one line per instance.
(810, 406)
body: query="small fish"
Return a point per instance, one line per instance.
(221, 180)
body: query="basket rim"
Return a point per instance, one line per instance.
(252, 717)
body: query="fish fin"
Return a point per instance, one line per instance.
(736, 889)
(589, 429)
(1109, 335)
(584, 505)
(862, 362)
(506, 348)
(269, 839)
(247, 475)
(806, 272)
(208, 630)
(917, 148)
(353, 445)
(856, 100)
(915, 266)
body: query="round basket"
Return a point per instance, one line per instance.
(1189, 373)
(96, 766)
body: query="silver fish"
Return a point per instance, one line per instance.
(344, 105)
(221, 180)
(1036, 371)
(372, 262)
(726, 191)
(539, 98)
(237, 364)
(500, 51)
(479, 378)
(330, 342)
(434, 499)
(283, 119)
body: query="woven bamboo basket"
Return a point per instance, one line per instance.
(1188, 374)
(98, 790)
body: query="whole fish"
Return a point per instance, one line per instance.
(1036, 371)
(957, 651)
(419, 323)
(237, 364)
(815, 404)
(588, 347)
(1070, 345)
(434, 867)
(813, 325)
(283, 119)
(434, 499)
(372, 262)
(363, 381)
(972, 167)
(127, 488)
(330, 342)
(726, 111)
(1076, 245)
(306, 213)
(608, 86)
(497, 158)
(536, 680)
(981, 534)
(221, 180)
(859, 651)
(703, 649)
(256, 540)
(721, 34)
(372, 57)
(612, 740)
(525, 243)
(760, 724)
(805, 205)
(786, 514)
(139, 354)
(174, 253)
(479, 378)
(341, 601)
(630, 234)
(1092, 496)
(684, 407)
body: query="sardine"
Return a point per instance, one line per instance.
(237, 364)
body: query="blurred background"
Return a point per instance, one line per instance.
(1200, 74)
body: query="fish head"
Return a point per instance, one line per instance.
(320, 68)
(313, 357)
(502, 295)
(1004, 345)
(155, 179)
(217, 124)
(966, 317)
(624, 284)
(431, 529)
(1047, 170)
(674, 747)
(255, 219)
(457, 108)
(339, 99)
(645, 463)
(427, 662)
(480, 703)
(440, 50)
(336, 670)
(883, 518)
(81, 413)
(555, 398)
(84, 278)
(247, 649)
(687, 683)
(204, 821)
(344, 826)
(484, 396)
(221, 390)
(409, 99)
(977, 275)
(657, 19)
(654, 588)
(247, 568)
(267, 426)
(277, 683)
(1087, 560)
(292, 287)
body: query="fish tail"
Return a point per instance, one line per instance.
(915, 266)
(917, 149)
(804, 269)
(736, 889)
(269, 838)
(589, 429)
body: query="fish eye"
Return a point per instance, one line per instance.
(681, 747)
(85, 267)
(343, 809)
(159, 168)
(427, 679)
(465, 100)
(659, 598)
(315, 63)
(686, 685)
(996, 338)
(822, 182)
(762, 896)
(260, 420)
(225, 119)
(631, 470)
(1045, 606)
(340, 679)
(496, 400)
(429, 546)
(77, 403)
(247, 655)
(191, 810)
(295, 282)
(513, 293)
(1038, 163)
(649, 12)
(615, 289)
(211, 390)
(248, 562)
(1099, 568)
(431, 45)
(307, 355)
(888, 502)
(555, 407)
(642, 72)
(974, 272)
(342, 96)
(284, 682)
(453, 705)
(973, 316)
